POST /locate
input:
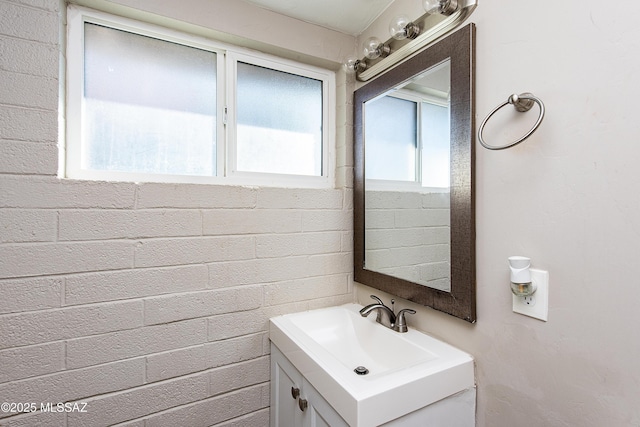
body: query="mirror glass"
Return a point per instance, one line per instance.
(414, 219)
(407, 179)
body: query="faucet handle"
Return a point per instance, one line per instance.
(377, 299)
(401, 323)
(379, 315)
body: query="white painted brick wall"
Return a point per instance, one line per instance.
(149, 301)
(281, 245)
(40, 259)
(34, 327)
(171, 308)
(212, 411)
(306, 289)
(128, 224)
(233, 377)
(255, 419)
(152, 195)
(255, 221)
(97, 349)
(42, 95)
(181, 251)
(32, 361)
(75, 384)
(175, 363)
(30, 294)
(25, 56)
(137, 402)
(35, 192)
(235, 273)
(29, 23)
(136, 283)
(49, 419)
(21, 157)
(278, 198)
(22, 124)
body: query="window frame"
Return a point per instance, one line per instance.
(227, 59)
(279, 64)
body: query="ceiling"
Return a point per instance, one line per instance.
(347, 16)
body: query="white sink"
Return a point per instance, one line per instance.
(407, 371)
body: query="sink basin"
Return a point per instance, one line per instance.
(406, 371)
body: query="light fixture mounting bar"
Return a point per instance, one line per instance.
(403, 49)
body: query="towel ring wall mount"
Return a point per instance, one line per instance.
(522, 103)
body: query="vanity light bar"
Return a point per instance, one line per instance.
(381, 56)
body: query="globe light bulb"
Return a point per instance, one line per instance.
(445, 7)
(402, 28)
(432, 6)
(373, 48)
(398, 27)
(352, 64)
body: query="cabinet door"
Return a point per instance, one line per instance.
(288, 389)
(285, 380)
(319, 412)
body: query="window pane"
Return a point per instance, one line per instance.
(149, 105)
(435, 145)
(279, 122)
(391, 135)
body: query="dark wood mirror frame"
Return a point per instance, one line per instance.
(459, 47)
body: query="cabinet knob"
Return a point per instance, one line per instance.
(302, 403)
(295, 392)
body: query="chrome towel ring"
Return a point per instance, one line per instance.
(522, 103)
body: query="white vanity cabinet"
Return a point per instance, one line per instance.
(294, 402)
(414, 380)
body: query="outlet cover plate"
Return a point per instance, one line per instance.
(540, 308)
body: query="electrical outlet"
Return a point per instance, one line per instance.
(536, 305)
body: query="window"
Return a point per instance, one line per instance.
(149, 104)
(276, 129)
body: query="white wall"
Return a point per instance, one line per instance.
(148, 301)
(569, 198)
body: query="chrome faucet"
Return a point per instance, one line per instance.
(386, 316)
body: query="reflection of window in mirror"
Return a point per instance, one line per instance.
(407, 133)
(435, 145)
(391, 135)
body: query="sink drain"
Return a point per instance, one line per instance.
(361, 370)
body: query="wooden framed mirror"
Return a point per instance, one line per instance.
(414, 200)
